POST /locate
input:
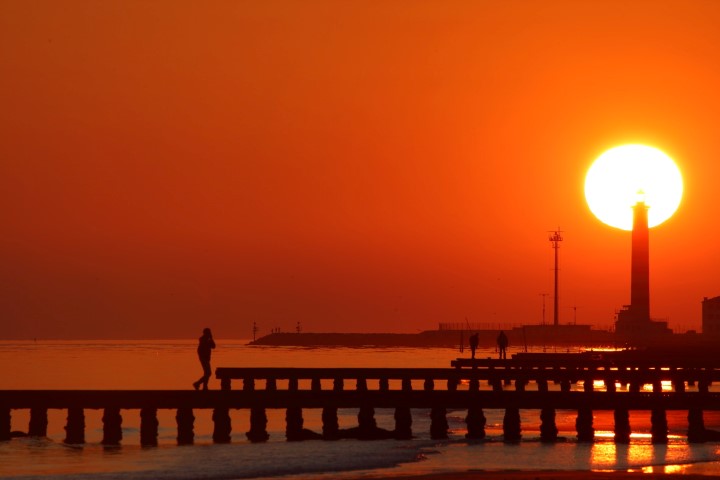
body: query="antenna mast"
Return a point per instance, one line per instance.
(543, 295)
(555, 239)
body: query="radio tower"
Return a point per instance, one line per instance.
(555, 239)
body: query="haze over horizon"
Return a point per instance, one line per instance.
(353, 166)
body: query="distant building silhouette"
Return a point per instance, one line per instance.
(711, 316)
(633, 321)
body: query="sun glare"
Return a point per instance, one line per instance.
(624, 175)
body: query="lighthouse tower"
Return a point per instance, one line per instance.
(633, 321)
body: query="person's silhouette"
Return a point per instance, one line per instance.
(502, 343)
(204, 350)
(473, 344)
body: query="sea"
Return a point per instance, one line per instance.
(173, 364)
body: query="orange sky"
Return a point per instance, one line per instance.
(352, 165)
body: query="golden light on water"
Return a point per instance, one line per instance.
(624, 175)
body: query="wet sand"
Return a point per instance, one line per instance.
(550, 475)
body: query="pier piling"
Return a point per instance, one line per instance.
(584, 425)
(659, 426)
(222, 425)
(331, 428)
(294, 424)
(185, 420)
(148, 427)
(622, 425)
(475, 421)
(5, 422)
(112, 426)
(438, 423)
(75, 427)
(403, 423)
(38, 422)
(512, 431)
(548, 428)
(258, 426)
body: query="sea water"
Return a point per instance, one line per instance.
(119, 365)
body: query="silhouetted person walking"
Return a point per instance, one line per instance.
(502, 343)
(473, 344)
(204, 350)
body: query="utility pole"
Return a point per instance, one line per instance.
(543, 295)
(555, 239)
(574, 307)
(254, 330)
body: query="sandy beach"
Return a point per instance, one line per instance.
(553, 475)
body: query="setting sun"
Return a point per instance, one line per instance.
(624, 175)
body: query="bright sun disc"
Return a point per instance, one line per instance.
(622, 176)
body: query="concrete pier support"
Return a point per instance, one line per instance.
(367, 426)
(475, 421)
(657, 386)
(223, 426)
(438, 423)
(148, 427)
(248, 384)
(548, 428)
(512, 431)
(659, 426)
(75, 427)
(294, 430)
(542, 385)
(112, 426)
(403, 423)
(330, 428)
(5, 422)
(258, 426)
(429, 385)
(294, 424)
(696, 426)
(622, 425)
(610, 386)
(679, 385)
(185, 426)
(38, 422)
(584, 425)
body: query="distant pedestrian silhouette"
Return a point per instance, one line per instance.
(204, 350)
(473, 344)
(502, 343)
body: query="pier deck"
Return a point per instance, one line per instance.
(546, 384)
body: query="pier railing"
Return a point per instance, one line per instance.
(471, 386)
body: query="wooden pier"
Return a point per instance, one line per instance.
(545, 384)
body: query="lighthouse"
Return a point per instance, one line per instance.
(640, 264)
(633, 321)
